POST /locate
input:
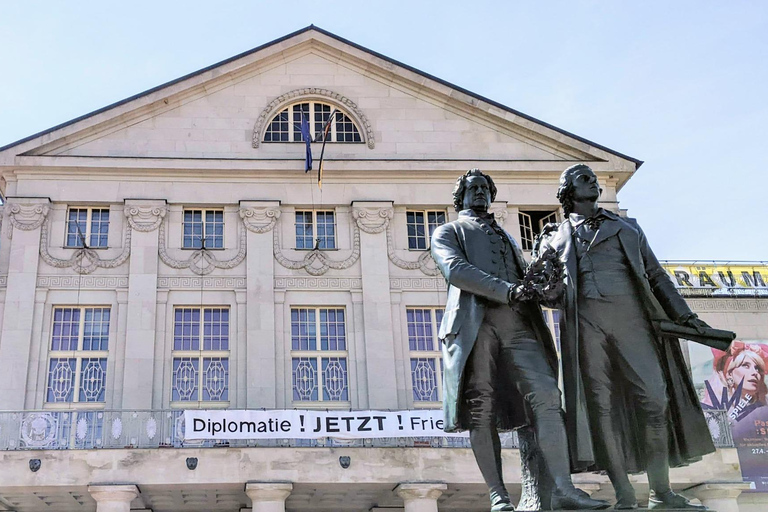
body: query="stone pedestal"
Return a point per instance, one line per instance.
(718, 496)
(268, 496)
(113, 498)
(26, 216)
(372, 219)
(420, 497)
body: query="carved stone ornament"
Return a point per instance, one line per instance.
(372, 220)
(278, 103)
(500, 214)
(376, 220)
(201, 261)
(259, 219)
(317, 262)
(84, 260)
(26, 217)
(145, 218)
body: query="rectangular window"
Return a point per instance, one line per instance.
(425, 355)
(315, 227)
(203, 226)
(89, 225)
(200, 356)
(421, 225)
(77, 366)
(319, 355)
(531, 224)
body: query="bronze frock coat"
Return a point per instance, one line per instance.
(689, 437)
(467, 253)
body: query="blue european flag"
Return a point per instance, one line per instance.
(307, 139)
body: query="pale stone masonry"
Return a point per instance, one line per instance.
(198, 145)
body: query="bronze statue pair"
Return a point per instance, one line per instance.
(500, 365)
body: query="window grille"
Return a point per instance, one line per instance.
(421, 225)
(285, 126)
(319, 356)
(200, 356)
(425, 355)
(89, 224)
(315, 226)
(77, 365)
(203, 225)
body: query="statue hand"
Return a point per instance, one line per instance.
(518, 293)
(693, 321)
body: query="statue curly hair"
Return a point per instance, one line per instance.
(461, 186)
(565, 190)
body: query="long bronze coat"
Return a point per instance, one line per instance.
(688, 432)
(464, 253)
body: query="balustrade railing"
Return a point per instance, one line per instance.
(84, 430)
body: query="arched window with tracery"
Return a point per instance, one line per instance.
(286, 125)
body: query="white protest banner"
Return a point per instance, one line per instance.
(305, 424)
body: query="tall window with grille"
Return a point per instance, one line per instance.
(531, 224)
(203, 226)
(315, 228)
(421, 225)
(425, 355)
(319, 356)
(285, 126)
(77, 360)
(200, 357)
(87, 224)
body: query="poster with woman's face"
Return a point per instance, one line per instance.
(735, 381)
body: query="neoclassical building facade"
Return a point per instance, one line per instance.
(170, 252)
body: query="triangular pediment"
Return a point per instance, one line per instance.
(221, 112)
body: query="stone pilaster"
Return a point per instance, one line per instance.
(719, 496)
(260, 218)
(268, 496)
(373, 218)
(26, 216)
(421, 496)
(113, 498)
(144, 217)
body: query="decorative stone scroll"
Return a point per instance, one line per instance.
(259, 219)
(351, 108)
(145, 218)
(84, 260)
(500, 214)
(372, 220)
(201, 261)
(26, 217)
(376, 220)
(317, 262)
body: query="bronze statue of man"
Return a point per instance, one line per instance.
(623, 380)
(499, 359)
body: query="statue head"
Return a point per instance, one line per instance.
(480, 185)
(577, 183)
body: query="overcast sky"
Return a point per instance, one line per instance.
(682, 85)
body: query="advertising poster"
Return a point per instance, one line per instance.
(735, 381)
(711, 279)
